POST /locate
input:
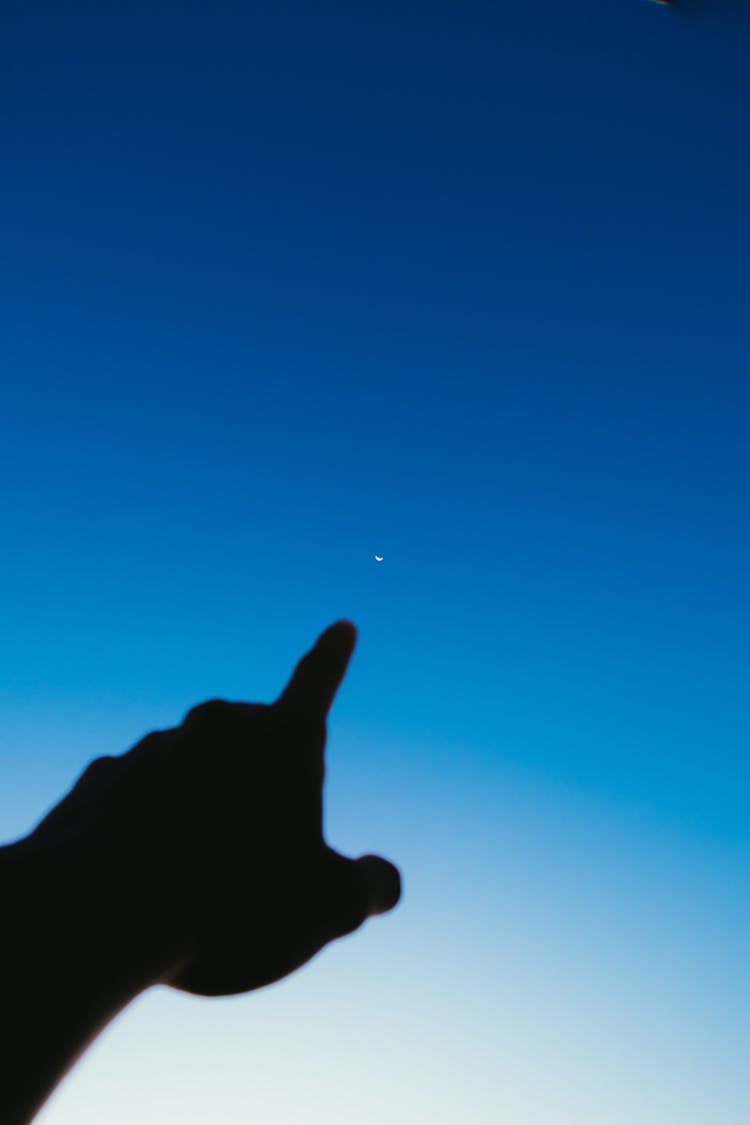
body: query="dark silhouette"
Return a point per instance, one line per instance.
(195, 860)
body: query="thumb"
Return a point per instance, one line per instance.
(353, 890)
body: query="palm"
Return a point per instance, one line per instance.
(281, 912)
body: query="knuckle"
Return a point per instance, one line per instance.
(213, 710)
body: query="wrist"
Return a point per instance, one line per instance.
(66, 914)
(61, 980)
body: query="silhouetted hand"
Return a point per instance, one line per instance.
(202, 848)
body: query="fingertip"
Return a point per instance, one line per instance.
(384, 883)
(342, 630)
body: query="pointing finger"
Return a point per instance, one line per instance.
(315, 681)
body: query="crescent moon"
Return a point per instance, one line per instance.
(378, 558)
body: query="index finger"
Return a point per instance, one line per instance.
(316, 679)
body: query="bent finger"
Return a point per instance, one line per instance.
(353, 890)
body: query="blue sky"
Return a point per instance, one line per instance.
(464, 286)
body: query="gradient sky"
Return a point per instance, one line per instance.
(464, 285)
